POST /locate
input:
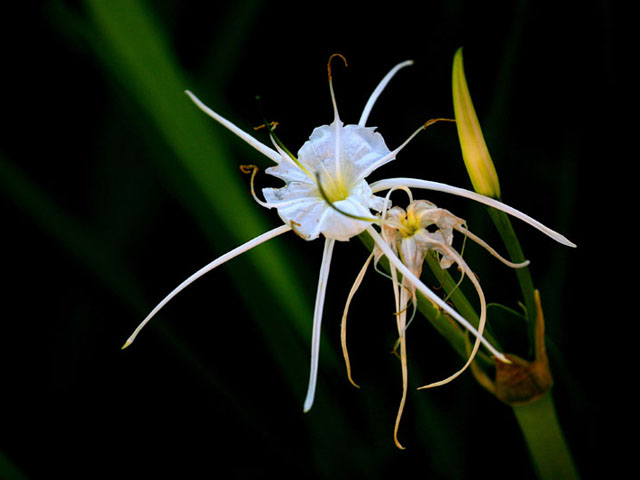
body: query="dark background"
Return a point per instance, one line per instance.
(101, 219)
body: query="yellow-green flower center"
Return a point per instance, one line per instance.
(334, 189)
(410, 224)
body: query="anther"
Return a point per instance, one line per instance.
(247, 169)
(436, 120)
(271, 126)
(253, 170)
(331, 58)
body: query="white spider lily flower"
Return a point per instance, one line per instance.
(342, 156)
(326, 193)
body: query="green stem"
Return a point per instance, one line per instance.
(538, 421)
(547, 446)
(505, 229)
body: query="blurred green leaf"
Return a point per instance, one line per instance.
(79, 241)
(8, 470)
(143, 62)
(136, 51)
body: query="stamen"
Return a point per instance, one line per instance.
(207, 268)
(436, 120)
(333, 97)
(280, 147)
(271, 126)
(414, 302)
(294, 227)
(380, 272)
(457, 285)
(404, 309)
(253, 170)
(337, 124)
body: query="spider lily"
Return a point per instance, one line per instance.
(326, 193)
(411, 234)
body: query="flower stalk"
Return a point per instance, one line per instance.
(523, 384)
(545, 439)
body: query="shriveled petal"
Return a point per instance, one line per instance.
(481, 322)
(434, 241)
(402, 340)
(422, 288)
(343, 326)
(412, 254)
(444, 219)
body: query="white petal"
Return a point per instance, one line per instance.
(288, 171)
(376, 93)
(341, 227)
(301, 206)
(305, 216)
(207, 268)
(361, 148)
(262, 148)
(317, 321)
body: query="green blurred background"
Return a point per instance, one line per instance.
(114, 188)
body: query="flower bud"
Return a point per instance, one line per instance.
(474, 149)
